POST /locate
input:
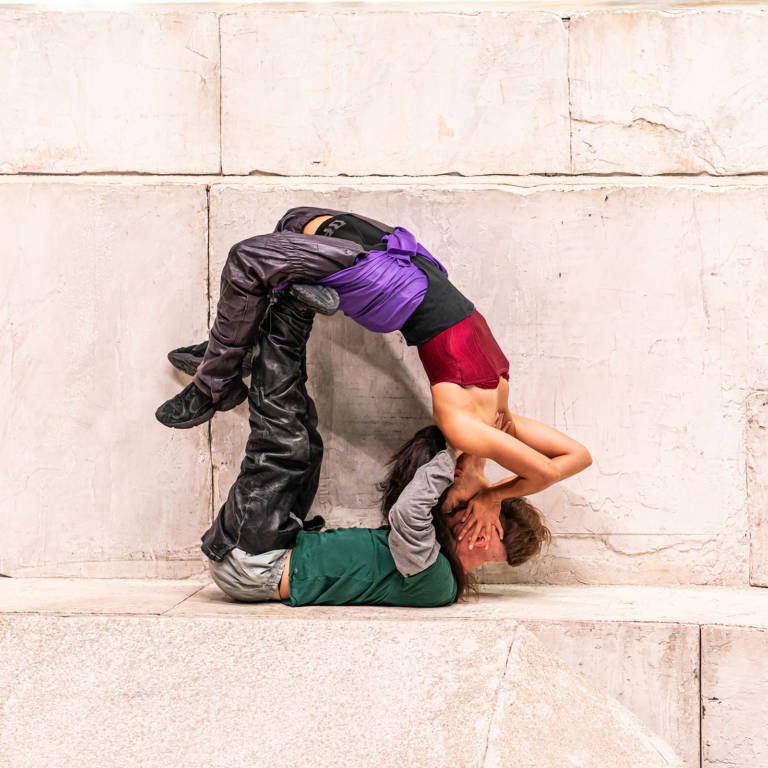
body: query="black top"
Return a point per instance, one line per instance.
(349, 227)
(443, 306)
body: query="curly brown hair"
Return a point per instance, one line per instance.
(525, 532)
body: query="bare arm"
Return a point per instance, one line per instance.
(567, 455)
(473, 436)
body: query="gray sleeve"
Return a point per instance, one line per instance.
(412, 539)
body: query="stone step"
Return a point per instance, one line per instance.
(690, 663)
(272, 686)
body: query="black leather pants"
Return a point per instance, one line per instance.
(280, 472)
(256, 266)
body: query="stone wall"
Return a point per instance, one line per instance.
(547, 158)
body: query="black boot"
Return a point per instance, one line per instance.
(192, 406)
(188, 358)
(318, 298)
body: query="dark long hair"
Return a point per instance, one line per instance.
(420, 449)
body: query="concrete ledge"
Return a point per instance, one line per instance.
(199, 597)
(144, 691)
(640, 645)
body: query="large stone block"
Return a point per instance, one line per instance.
(95, 91)
(650, 668)
(100, 280)
(536, 691)
(757, 487)
(632, 320)
(669, 92)
(140, 692)
(394, 92)
(734, 690)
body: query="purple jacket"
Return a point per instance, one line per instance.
(382, 289)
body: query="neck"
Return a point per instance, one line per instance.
(470, 561)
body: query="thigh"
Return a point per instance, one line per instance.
(271, 260)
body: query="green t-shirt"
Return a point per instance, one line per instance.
(349, 566)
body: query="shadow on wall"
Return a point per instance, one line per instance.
(371, 395)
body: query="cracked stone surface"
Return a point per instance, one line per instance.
(466, 93)
(536, 692)
(660, 403)
(199, 692)
(653, 91)
(105, 91)
(632, 318)
(734, 689)
(90, 303)
(757, 486)
(652, 669)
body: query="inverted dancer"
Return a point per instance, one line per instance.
(385, 280)
(260, 547)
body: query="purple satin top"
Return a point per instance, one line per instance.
(382, 289)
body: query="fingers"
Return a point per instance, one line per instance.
(481, 533)
(467, 528)
(503, 423)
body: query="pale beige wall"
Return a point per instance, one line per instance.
(633, 310)
(91, 300)
(628, 324)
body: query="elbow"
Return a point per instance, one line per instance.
(548, 475)
(584, 459)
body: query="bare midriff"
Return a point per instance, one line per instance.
(311, 227)
(482, 404)
(283, 592)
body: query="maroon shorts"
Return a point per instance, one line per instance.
(465, 354)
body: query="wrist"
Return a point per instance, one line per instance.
(474, 463)
(492, 494)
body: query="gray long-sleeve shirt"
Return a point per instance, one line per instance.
(412, 540)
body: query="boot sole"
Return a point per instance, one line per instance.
(321, 309)
(227, 404)
(187, 363)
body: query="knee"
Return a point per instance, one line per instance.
(239, 252)
(242, 267)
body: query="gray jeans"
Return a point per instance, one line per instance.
(249, 578)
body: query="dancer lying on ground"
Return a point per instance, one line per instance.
(259, 545)
(386, 281)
